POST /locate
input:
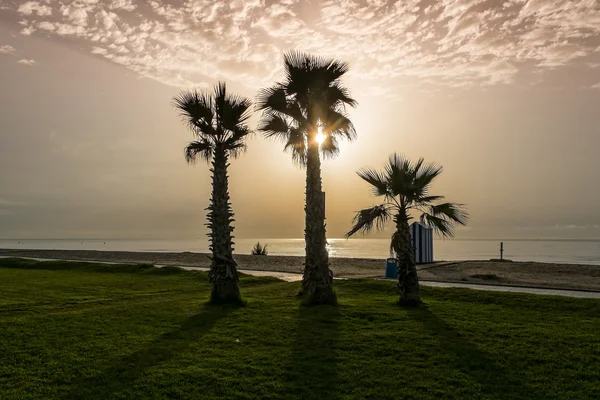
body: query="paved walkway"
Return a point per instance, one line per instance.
(289, 277)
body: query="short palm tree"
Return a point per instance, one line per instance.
(404, 186)
(218, 121)
(308, 112)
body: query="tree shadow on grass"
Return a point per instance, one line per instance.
(123, 374)
(495, 380)
(313, 369)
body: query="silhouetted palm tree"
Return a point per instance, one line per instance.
(404, 187)
(218, 121)
(310, 101)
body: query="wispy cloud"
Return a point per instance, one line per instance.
(7, 49)
(575, 226)
(26, 61)
(448, 42)
(5, 202)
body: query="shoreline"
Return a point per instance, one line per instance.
(525, 274)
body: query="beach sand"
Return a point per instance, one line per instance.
(532, 274)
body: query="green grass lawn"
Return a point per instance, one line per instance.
(88, 331)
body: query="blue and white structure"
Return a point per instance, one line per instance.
(422, 238)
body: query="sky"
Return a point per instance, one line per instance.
(504, 94)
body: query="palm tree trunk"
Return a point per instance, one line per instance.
(317, 280)
(223, 273)
(408, 280)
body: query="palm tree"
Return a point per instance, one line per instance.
(308, 112)
(404, 187)
(218, 121)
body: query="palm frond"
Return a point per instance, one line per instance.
(272, 98)
(399, 161)
(273, 125)
(365, 220)
(425, 175)
(450, 211)
(336, 123)
(297, 145)
(235, 145)
(239, 132)
(236, 111)
(301, 71)
(299, 60)
(306, 73)
(375, 179)
(200, 149)
(232, 111)
(196, 110)
(440, 226)
(398, 172)
(427, 200)
(219, 100)
(330, 147)
(443, 217)
(237, 150)
(339, 95)
(336, 69)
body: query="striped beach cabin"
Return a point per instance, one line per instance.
(422, 238)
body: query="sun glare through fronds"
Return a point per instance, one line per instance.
(320, 138)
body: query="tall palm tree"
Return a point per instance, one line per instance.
(218, 122)
(404, 186)
(308, 112)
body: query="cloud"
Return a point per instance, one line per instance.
(34, 7)
(574, 226)
(280, 21)
(456, 43)
(28, 30)
(126, 5)
(26, 62)
(4, 202)
(7, 49)
(76, 16)
(47, 26)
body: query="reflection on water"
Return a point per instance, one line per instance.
(583, 252)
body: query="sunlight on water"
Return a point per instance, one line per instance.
(583, 252)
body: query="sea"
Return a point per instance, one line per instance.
(554, 251)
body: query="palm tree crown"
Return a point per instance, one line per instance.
(312, 99)
(217, 120)
(405, 186)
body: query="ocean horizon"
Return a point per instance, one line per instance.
(572, 251)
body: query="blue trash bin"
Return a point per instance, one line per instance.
(391, 268)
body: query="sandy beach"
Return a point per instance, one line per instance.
(532, 274)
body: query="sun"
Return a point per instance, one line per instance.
(320, 138)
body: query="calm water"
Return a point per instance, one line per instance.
(565, 251)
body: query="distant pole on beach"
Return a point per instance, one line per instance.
(501, 250)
